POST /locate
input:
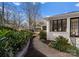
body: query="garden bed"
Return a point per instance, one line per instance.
(13, 41)
(60, 44)
(24, 50)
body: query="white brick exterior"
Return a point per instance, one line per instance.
(52, 35)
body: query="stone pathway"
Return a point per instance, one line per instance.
(47, 51)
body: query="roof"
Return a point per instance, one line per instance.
(64, 16)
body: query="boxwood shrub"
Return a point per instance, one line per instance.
(42, 35)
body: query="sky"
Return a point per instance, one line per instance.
(52, 8)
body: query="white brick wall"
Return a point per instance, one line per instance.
(53, 35)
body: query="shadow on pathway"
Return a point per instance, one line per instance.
(32, 52)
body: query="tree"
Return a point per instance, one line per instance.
(0, 18)
(32, 12)
(19, 19)
(7, 15)
(2, 15)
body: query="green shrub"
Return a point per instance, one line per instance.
(13, 41)
(42, 36)
(6, 28)
(3, 32)
(28, 33)
(61, 44)
(77, 52)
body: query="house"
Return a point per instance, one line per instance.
(40, 25)
(66, 25)
(43, 26)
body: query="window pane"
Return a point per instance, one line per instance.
(55, 25)
(59, 25)
(44, 27)
(64, 25)
(50, 25)
(74, 27)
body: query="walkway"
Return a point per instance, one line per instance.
(33, 52)
(47, 51)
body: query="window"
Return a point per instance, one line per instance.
(51, 25)
(64, 25)
(74, 28)
(55, 25)
(44, 27)
(58, 25)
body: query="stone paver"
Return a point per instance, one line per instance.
(49, 52)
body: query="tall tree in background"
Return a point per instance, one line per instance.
(7, 15)
(2, 15)
(32, 12)
(19, 19)
(14, 17)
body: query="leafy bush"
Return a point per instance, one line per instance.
(13, 41)
(77, 52)
(6, 28)
(28, 33)
(61, 44)
(42, 36)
